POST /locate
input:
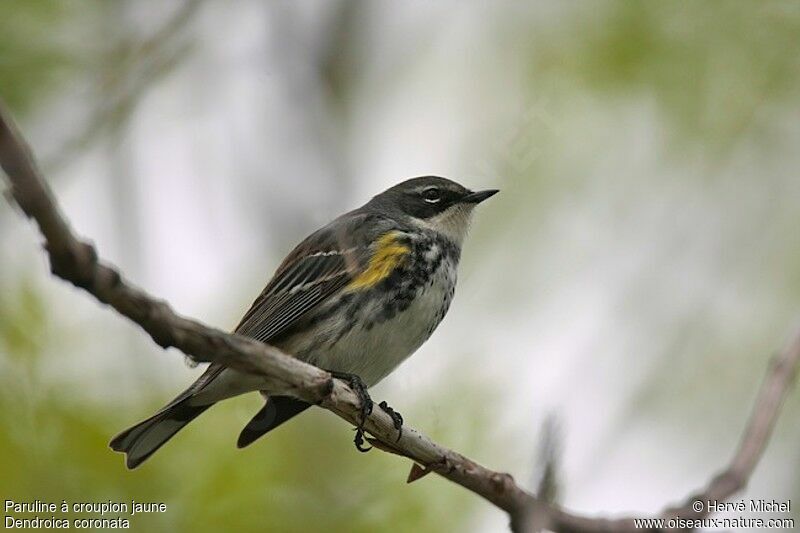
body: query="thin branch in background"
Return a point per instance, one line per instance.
(76, 261)
(547, 478)
(777, 384)
(129, 70)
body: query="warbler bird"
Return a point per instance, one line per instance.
(356, 298)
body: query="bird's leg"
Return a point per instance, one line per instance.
(397, 418)
(358, 386)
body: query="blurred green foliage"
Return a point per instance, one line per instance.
(710, 66)
(33, 58)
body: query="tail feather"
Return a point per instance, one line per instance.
(278, 410)
(142, 440)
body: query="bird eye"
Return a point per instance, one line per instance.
(431, 195)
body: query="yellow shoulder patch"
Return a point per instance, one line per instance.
(389, 252)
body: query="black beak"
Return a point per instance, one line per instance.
(478, 197)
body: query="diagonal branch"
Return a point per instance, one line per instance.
(76, 261)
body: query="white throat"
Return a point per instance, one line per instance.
(452, 223)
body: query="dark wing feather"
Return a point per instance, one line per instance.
(319, 267)
(293, 291)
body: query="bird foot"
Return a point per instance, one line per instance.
(358, 386)
(397, 418)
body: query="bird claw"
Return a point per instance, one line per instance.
(397, 418)
(359, 441)
(358, 386)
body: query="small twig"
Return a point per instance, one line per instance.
(76, 261)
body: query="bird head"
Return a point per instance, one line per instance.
(433, 203)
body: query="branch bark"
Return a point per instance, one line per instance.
(77, 262)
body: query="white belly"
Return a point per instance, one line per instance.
(373, 353)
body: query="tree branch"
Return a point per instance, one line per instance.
(76, 261)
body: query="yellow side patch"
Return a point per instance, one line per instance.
(389, 253)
